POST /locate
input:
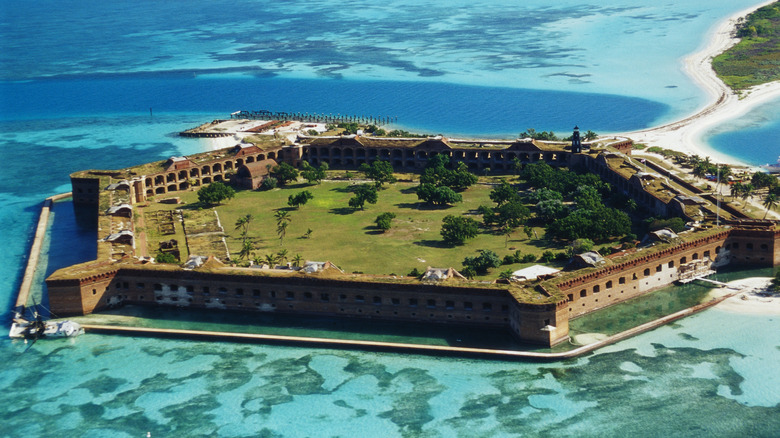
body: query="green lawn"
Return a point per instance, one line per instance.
(349, 238)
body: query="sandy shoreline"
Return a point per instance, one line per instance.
(686, 135)
(753, 298)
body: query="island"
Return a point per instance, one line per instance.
(152, 213)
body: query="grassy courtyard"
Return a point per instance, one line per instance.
(349, 237)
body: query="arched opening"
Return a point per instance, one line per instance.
(206, 170)
(159, 190)
(182, 174)
(171, 177)
(184, 186)
(159, 180)
(194, 173)
(217, 168)
(148, 182)
(207, 180)
(172, 187)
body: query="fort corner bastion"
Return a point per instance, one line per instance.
(535, 312)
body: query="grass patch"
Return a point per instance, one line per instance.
(755, 59)
(350, 239)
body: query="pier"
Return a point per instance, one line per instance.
(312, 117)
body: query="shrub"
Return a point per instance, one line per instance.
(528, 258)
(269, 183)
(384, 221)
(483, 262)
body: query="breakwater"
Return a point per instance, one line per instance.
(23, 295)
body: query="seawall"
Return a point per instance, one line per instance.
(23, 295)
(434, 350)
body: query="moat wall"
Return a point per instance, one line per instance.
(296, 294)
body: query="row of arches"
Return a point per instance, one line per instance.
(213, 171)
(416, 159)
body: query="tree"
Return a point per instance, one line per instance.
(215, 193)
(300, 198)
(761, 180)
(246, 250)
(503, 193)
(551, 210)
(590, 135)
(314, 174)
(243, 224)
(439, 172)
(296, 261)
(456, 229)
(437, 195)
(587, 198)
(283, 219)
(486, 260)
(506, 275)
(281, 256)
(513, 214)
(307, 235)
(770, 202)
(270, 259)
(384, 221)
(380, 171)
(284, 173)
(363, 193)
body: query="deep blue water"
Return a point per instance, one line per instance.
(80, 78)
(436, 108)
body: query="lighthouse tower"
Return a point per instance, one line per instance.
(576, 143)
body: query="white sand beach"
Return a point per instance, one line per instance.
(686, 135)
(754, 298)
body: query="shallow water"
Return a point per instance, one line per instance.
(79, 84)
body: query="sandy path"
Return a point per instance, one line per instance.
(686, 135)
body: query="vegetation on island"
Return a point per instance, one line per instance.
(755, 59)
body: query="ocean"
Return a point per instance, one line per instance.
(109, 84)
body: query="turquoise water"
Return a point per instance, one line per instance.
(78, 83)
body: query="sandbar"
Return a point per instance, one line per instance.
(685, 135)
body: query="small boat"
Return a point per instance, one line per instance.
(772, 168)
(36, 328)
(44, 329)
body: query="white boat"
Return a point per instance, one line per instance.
(37, 329)
(773, 168)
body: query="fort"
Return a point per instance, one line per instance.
(536, 312)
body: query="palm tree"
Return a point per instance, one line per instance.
(282, 255)
(246, 250)
(308, 234)
(281, 230)
(296, 261)
(243, 224)
(283, 219)
(747, 192)
(271, 260)
(770, 202)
